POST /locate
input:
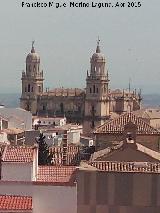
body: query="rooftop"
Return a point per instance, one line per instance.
(56, 174)
(150, 113)
(11, 202)
(64, 92)
(18, 154)
(13, 131)
(127, 157)
(117, 125)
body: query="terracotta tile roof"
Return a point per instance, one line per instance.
(18, 154)
(59, 174)
(13, 131)
(11, 202)
(117, 125)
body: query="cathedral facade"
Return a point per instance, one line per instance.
(91, 106)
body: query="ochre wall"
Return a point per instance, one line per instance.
(103, 192)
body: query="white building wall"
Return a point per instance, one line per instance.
(17, 118)
(3, 138)
(49, 121)
(16, 171)
(57, 199)
(73, 137)
(16, 188)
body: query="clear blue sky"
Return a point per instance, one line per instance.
(66, 38)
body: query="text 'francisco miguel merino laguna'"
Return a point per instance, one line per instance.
(73, 4)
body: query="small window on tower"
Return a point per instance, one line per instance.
(39, 88)
(94, 89)
(92, 125)
(29, 87)
(97, 90)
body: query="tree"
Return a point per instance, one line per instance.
(44, 157)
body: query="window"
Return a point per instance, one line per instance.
(94, 89)
(92, 125)
(97, 90)
(29, 87)
(90, 90)
(39, 88)
(79, 109)
(62, 108)
(25, 89)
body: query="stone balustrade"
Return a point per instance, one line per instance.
(115, 166)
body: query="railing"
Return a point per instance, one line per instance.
(115, 166)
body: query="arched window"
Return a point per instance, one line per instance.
(29, 87)
(94, 89)
(92, 125)
(79, 109)
(39, 88)
(62, 108)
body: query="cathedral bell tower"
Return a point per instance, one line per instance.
(32, 82)
(96, 102)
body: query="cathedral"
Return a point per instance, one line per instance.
(91, 106)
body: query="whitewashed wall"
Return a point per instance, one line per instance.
(17, 171)
(16, 188)
(57, 199)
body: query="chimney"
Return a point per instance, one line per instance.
(35, 161)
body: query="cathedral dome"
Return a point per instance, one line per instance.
(98, 55)
(33, 56)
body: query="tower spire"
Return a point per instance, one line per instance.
(98, 47)
(33, 50)
(129, 86)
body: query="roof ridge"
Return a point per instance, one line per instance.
(122, 120)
